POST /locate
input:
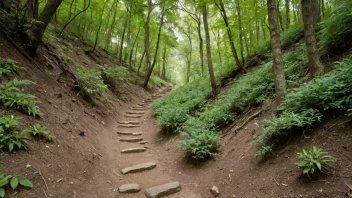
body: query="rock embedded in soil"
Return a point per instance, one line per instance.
(129, 122)
(163, 190)
(133, 116)
(143, 142)
(215, 191)
(135, 112)
(131, 139)
(129, 125)
(129, 188)
(138, 168)
(133, 150)
(124, 133)
(137, 133)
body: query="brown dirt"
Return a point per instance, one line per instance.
(90, 165)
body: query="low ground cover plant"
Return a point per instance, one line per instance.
(13, 182)
(90, 82)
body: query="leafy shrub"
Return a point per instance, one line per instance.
(37, 130)
(14, 182)
(8, 66)
(11, 96)
(174, 108)
(253, 88)
(90, 82)
(10, 136)
(111, 74)
(305, 105)
(337, 28)
(314, 159)
(155, 80)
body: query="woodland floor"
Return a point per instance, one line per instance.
(86, 154)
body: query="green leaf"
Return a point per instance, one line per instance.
(11, 145)
(59, 180)
(318, 165)
(14, 183)
(2, 192)
(26, 183)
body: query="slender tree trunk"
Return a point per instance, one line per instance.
(146, 36)
(122, 39)
(209, 58)
(322, 8)
(97, 33)
(201, 51)
(278, 64)
(315, 12)
(163, 73)
(36, 32)
(229, 34)
(238, 8)
(309, 20)
(140, 62)
(134, 43)
(263, 29)
(150, 69)
(288, 20)
(108, 39)
(281, 23)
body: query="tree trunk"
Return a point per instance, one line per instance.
(279, 15)
(122, 39)
(134, 43)
(238, 8)
(209, 58)
(98, 30)
(146, 36)
(201, 51)
(309, 20)
(278, 64)
(150, 69)
(229, 34)
(315, 12)
(36, 32)
(163, 73)
(288, 18)
(140, 62)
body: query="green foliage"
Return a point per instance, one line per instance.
(174, 108)
(314, 159)
(110, 75)
(37, 130)
(253, 88)
(305, 105)
(155, 80)
(91, 82)
(5, 180)
(337, 28)
(292, 35)
(264, 150)
(11, 96)
(10, 136)
(8, 66)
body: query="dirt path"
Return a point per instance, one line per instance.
(155, 152)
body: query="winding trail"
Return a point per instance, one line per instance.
(137, 144)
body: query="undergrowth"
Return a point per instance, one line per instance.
(110, 75)
(174, 108)
(305, 105)
(251, 89)
(13, 182)
(8, 66)
(90, 82)
(12, 97)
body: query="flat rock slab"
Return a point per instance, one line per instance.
(135, 112)
(163, 190)
(129, 125)
(133, 150)
(124, 133)
(133, 116)
(139, 168)
(129, 122)
(137, 134)
(129, 188)
(131, 139)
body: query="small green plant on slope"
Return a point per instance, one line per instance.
(253, 88)
(155, 80)
(11, 96)
(314, 160)
(90, 82)
(11, 136)
(110, 75)
(14, 183)
(305, 105)
(8, 66)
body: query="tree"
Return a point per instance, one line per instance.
(209, 58)
(221, 7)
(36, 32)
(309, 8)
(278, 63)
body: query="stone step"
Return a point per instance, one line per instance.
(124, 133)
(133, 150)
(135, 112)
(129, 122)
(143, 142)
(142, 104)
(137, 133)
(139, 108)
(148, 101)
(139, 168)
(129, 125)
(163, 190)
(129, 188)
(133, 116)
(131, 139)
